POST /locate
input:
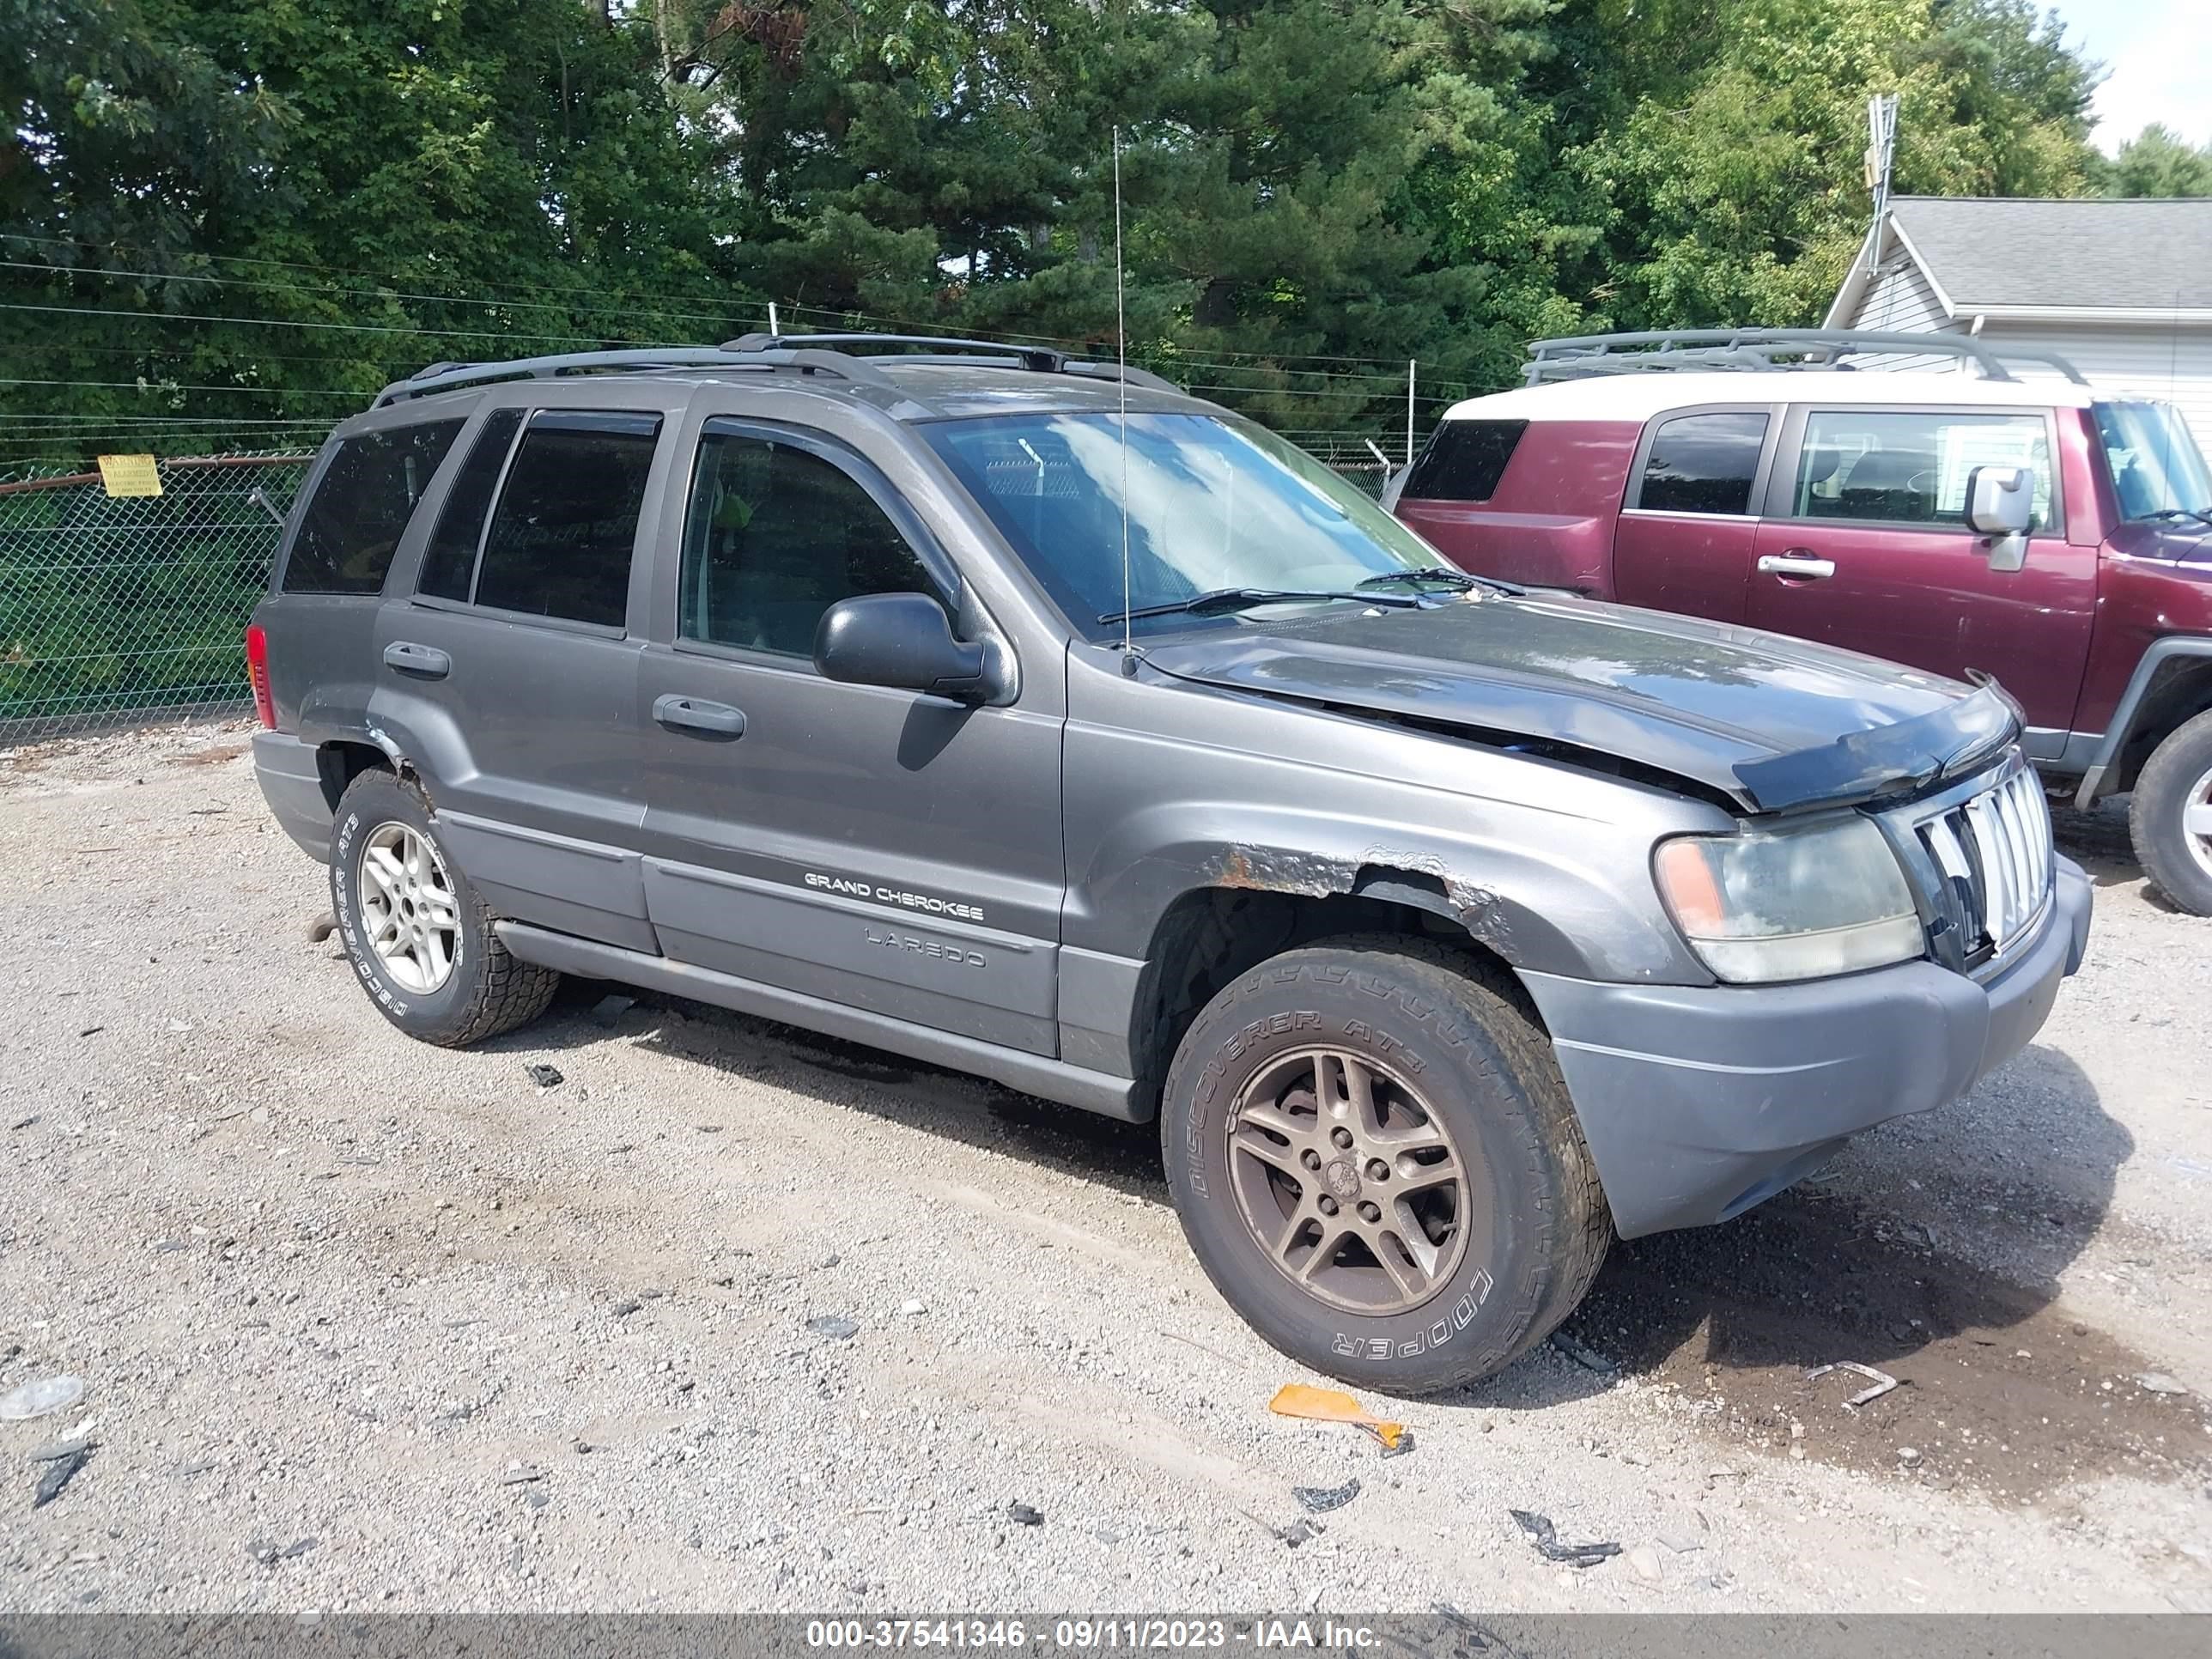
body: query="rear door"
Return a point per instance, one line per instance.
(880, 848)
(1865, 545)
(1689, 520)
(509, 673)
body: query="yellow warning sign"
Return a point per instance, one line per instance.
(130, 475)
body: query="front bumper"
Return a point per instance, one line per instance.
(1700, 1102)
(291, 781)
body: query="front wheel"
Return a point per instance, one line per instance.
(2170, 819)
(1376, 1162)
(418, 936)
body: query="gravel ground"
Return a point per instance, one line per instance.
(365, 1324)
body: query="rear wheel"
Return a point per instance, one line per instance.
(2170, 818)
(419, 938)
(1376, 1161)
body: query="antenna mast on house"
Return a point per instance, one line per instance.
(1881, 148)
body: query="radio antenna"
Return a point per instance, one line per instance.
(1121, 351)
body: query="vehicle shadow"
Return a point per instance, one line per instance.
(1930, 1251)
(1954, 1225)
(974, 1111)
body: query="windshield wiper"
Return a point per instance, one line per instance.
(2199, 513)
(1450, 578)
(1232, 599)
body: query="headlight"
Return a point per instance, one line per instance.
(1774, 904)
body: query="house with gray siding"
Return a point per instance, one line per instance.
(2122, 289)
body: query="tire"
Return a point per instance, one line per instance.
(484, 991)
(1450, 1036)
(2177, 779)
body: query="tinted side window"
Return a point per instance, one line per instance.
(368, 494)
(560, 541)
(1463, 461)
(1912, 467)
(449, 564)
(1703, 464)
(774, 536)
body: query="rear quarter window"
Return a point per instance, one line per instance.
(1464, 461)
(362, 506)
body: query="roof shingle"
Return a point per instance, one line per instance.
(2088, 253)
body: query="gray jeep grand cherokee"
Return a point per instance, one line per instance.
(913, 691)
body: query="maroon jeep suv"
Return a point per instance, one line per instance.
(1854, 508)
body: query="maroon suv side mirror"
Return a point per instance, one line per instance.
(2000, 504)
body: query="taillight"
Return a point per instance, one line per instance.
(257, 675)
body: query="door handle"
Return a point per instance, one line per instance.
(425, 662)
(1796, 564)
(712, 719)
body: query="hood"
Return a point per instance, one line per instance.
(1777, 723)
(2173, 539)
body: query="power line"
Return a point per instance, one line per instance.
(329, 291)
(585, 340)
(266, 391)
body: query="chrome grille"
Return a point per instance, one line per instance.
(1993, 855)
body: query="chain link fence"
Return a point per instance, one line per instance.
(121, 609)
(117, 610)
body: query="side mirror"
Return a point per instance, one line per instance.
(899, 639)
(2000, 504)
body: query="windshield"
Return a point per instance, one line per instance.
(2157, 466)
(1215, 504)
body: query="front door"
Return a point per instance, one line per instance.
(1865, 545)
(884, 849)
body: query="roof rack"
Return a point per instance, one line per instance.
(811, 352)
(1703, 350)
(944, 349)
(1042, 359)
(445, 377)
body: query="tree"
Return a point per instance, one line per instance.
(2158, 161)
(252, 211)
(1729, 148)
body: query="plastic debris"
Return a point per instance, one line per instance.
(1024, 1515)
(835, 1326)
(1546, 1538)
(1297, 1533)
(1324, 1500)
(1334, 1406)
(2159, 1383)
(40, 1397)
(1883, 1381)
(58, 1473)
(545, 1076)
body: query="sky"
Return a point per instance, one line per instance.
(2159, 56)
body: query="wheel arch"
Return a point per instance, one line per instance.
(2170, 686)
(1213, 932)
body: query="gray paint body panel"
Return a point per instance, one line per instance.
(1695, 1103)
(1053, 1079)
(839, 864)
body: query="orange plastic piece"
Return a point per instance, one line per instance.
(1333, 1405)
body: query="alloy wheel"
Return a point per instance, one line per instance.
(2196, 822)
(409, 911)
(1351, 1185)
